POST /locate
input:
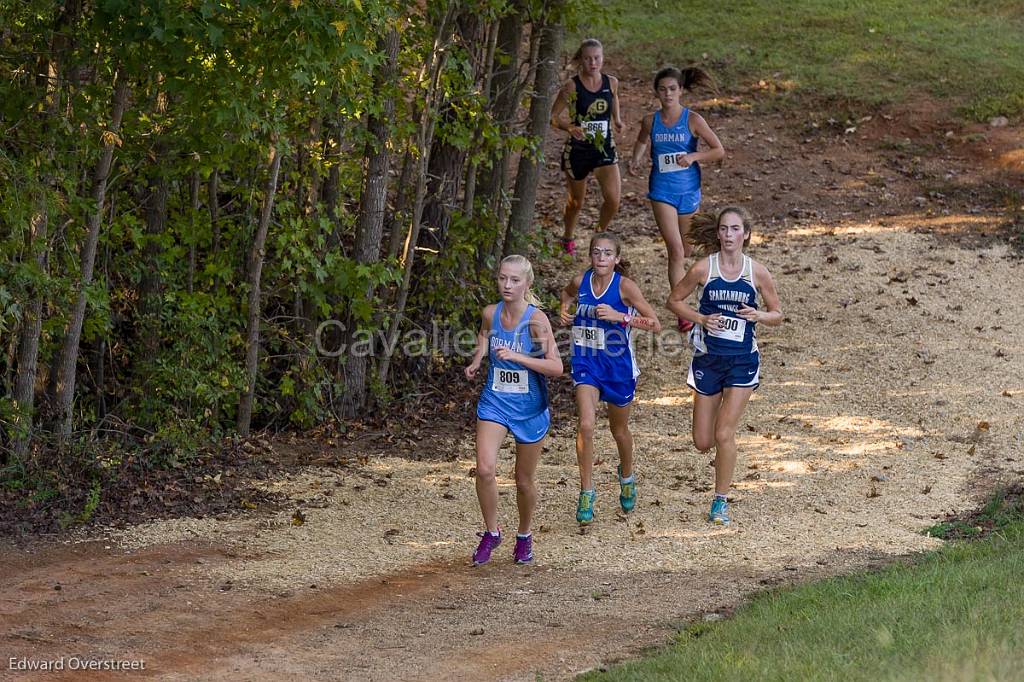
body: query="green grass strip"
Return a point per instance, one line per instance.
(954, 614)
(967, 53)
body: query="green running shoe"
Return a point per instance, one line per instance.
(627, 491)
(585, 507)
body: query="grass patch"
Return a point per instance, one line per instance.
(1005, 507)
(953, 614)
(968, 53)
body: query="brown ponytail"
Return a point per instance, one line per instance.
(688, 78)
(703, 232)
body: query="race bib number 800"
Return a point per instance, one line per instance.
(732, 329)
(510, 381)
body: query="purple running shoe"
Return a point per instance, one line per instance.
(523, 553)
(488, 543)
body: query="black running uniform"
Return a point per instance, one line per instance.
(593, 113)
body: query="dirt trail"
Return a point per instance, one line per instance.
(892, 396)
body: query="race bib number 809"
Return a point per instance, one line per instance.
(510, 381)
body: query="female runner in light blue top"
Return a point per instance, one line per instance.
(517, 339)
(673, 133)
(608, 307)
(726, 365)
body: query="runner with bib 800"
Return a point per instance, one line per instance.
(517, 339)
(726, 365)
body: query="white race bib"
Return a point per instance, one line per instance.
(511, 381)
(667, 163)
(588, 337)
(732, 328)
(594, 128)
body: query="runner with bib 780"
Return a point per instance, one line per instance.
(608, 307)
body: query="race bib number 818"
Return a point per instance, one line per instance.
(667, 163)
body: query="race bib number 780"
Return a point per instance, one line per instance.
(588, 337)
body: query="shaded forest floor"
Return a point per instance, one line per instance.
(891, 399)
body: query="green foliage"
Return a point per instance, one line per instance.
(92, 502)
(212, 87)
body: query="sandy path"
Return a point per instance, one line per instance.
(898, 344)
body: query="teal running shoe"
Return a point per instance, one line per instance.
(627, 492)
(719, 514)
(585, 507)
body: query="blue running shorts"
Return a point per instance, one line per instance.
(685, 203)
(618, 393)
(709, 374)
(525, 431)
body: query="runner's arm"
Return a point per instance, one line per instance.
(700, 128)
(680, 292)
(566, 297)
(632, 296)
(772, 314)
(640, 146)
(560, 123)
(481, 342)
(616, 112)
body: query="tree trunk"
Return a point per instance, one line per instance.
(193, 195)
(69, 352)
(395, 231)
(372, 209)
(28, 340)
(425, 137)
(487, 70)
(330, 192)
(150, 286)
(504, 103)
(530, 165)
(211, 196)
(447, 162)
(253, 273)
